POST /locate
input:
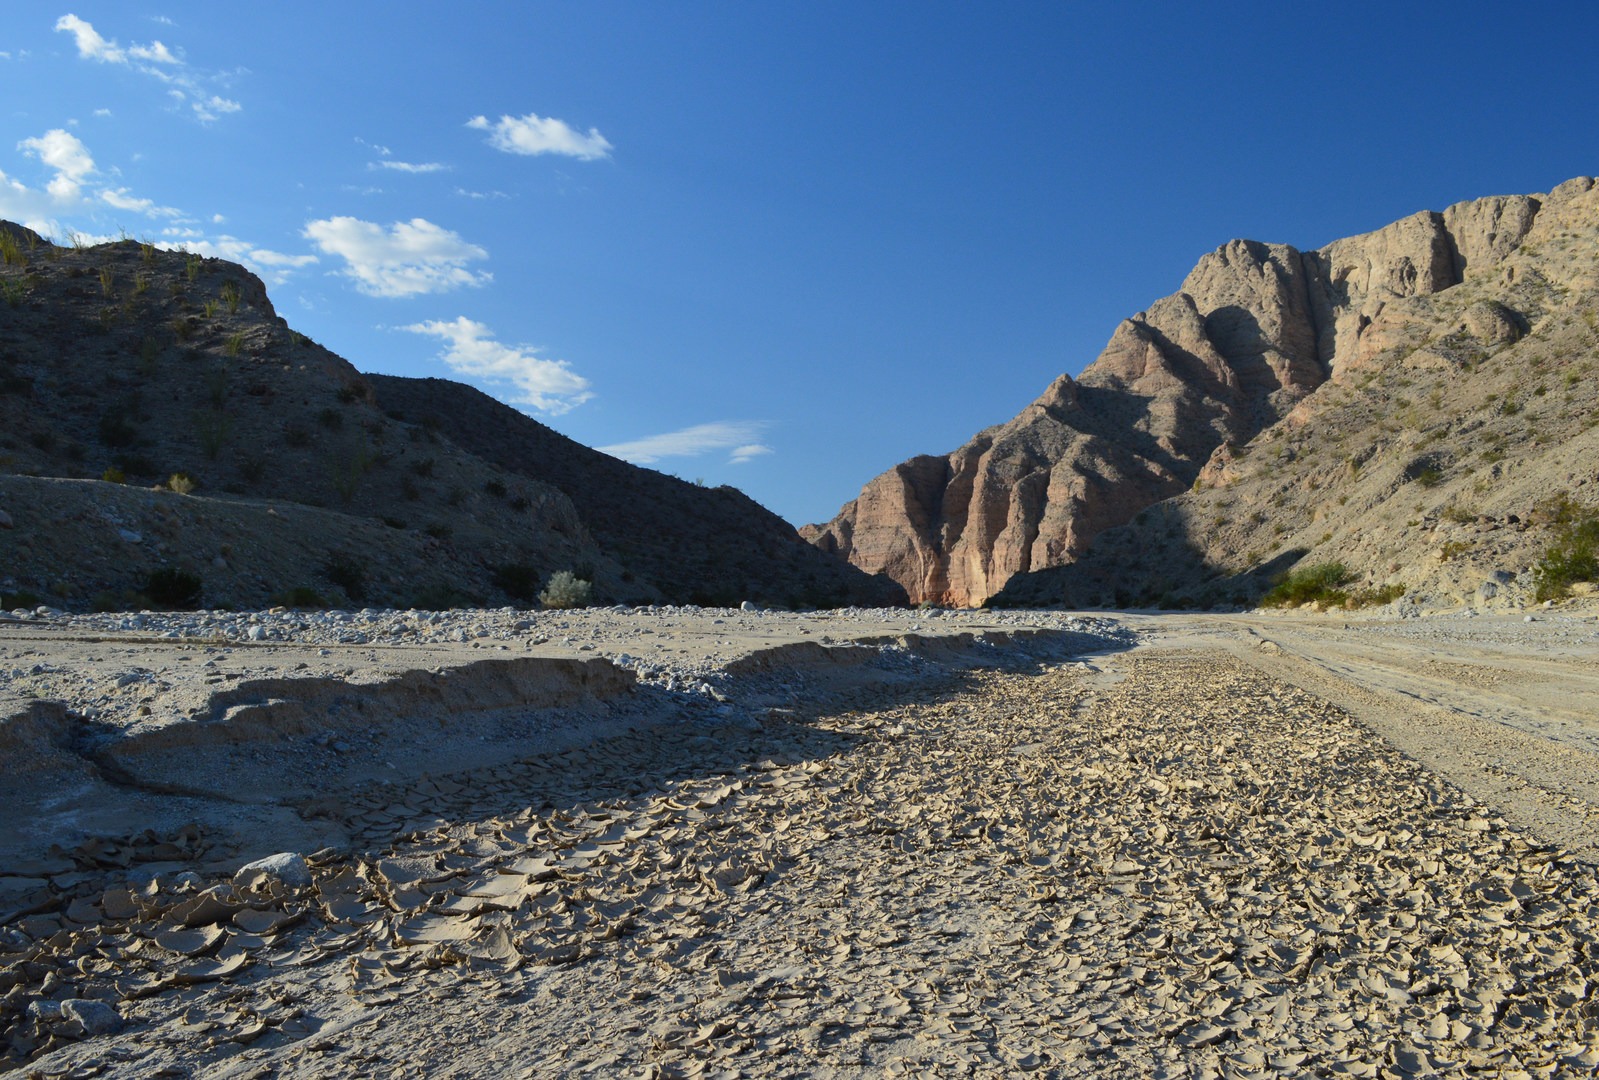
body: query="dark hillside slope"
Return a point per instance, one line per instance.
(693, 544)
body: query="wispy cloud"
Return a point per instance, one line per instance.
(551, 386)
(406, 259)
(74, 185)
(409, 167)
(30, 207)
(185, 85)
(739, 436)
(535, 134)
(214, 106)
(274, 267)
(65, 153)
(465, 194)
(91, 46)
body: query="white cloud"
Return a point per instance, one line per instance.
(535, 134)
(551, 386)
(408, 167)
(102, 112)
(738, 435)
(155, 52)
(274, 267)
(748, 452)
(406, 259)
(185, 85)
(212, 107)
(24, 205)
(62, 151)
(119, 198)
(91, 46)
(481, 194)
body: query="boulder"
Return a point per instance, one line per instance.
(287, 870)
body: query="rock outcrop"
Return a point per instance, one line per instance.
(1254, 330)
(1457, 426)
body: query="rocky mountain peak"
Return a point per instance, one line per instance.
(1253, 334)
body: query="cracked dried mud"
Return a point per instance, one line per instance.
(1246, 847)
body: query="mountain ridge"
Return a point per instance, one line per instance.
(174, 373)
(1254, 331)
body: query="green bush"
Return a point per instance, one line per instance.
(1319, 583)
(1572, 554)
(566, 590)
(170, 587)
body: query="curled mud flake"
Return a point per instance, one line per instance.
(212, 906)
(265, 922)
(433, 930)
(194, 942)
(209, 971)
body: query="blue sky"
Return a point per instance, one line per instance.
(781, 246)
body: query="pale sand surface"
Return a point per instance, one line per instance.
(1249, 846)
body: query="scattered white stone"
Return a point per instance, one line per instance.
(95, 1017)
(287, 868)
(129, 536)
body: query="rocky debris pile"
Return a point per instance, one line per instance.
(1193, 870)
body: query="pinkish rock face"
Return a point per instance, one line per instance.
(1253, 331)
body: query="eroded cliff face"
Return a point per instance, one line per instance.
(1254, 330)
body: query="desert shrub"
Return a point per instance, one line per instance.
(295, 434)
(1572, 555)
(494, 488)
(182, 483)
(301, 596)
(1319, 582)
(212, 428)
(170, 587)
(114, 475)
(348, 573)
(517, 580)
(422, 467)
(10, 601)
(439, 530)
(566, 590)
(330, 418)
(230, 296)
(1372, 597)
(11, 250)
(348, 394)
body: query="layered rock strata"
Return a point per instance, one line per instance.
(1254, 329)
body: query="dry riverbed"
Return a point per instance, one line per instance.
(977, 844)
